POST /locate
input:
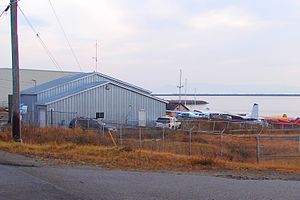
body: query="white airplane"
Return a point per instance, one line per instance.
(190, 115)
(234, 117)
(187, 115)
(253, 116)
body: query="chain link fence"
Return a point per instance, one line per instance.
(238, 148)
(3, 104)
(226, 140)
(50, 118)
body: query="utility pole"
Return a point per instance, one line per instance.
(180, 86)
(16, 122)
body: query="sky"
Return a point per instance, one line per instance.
(234, 46)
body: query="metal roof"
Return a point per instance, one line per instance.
(74, 91)
(122, 82)
(66, 79)
(91, 86)
(56, 82)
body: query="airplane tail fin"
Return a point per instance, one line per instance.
(297, 120)
(254, 112)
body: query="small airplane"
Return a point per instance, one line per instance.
(283, 120)
(253, 116)
(191, 115)
(185, 115)
(196, 114)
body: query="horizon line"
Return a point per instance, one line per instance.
(232, 94)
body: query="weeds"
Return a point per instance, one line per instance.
(88, 147)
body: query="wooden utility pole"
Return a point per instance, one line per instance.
(16, 122)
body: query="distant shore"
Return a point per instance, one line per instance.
(233, 94)
(189, 102)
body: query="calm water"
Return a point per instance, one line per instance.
(267, 105)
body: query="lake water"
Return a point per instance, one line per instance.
(268, 106)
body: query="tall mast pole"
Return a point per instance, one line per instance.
(180, 86)
(96, 58)
(185, 90)
(16, 122)
(195, 98)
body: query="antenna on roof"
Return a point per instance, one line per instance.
(96, 57)
(180, 86)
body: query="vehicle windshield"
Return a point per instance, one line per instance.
(163, 120)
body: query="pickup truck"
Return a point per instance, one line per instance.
(167, 122)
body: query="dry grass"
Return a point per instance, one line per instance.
(111, 157)
(87, 147)
(32, 135)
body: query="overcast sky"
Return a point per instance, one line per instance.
(221, 45)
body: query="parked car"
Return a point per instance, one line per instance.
(90, 123)
(167, 122)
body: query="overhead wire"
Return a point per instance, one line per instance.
(7, 7)
(41, 41)
(9, 80)
(9, 87)
(5, 10)
(65, 35)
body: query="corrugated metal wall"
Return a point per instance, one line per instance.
(118, 104)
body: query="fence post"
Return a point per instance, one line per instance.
(157, 145)
(102, 130)
(51, 117)
(214, 124)
(163, 138)
(121, 139)
(257, 149)
(190, 142)
(140, 137)
(221, 145)
(299, 143)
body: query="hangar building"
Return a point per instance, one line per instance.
(90, 95)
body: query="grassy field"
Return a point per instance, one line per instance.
(87, 147)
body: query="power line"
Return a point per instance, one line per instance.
(5, 10)
(65, 35)
(41, 41)
(9, 87)
(27, 82)
(7, 7)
